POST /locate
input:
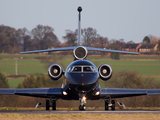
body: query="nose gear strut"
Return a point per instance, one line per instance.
(82, 101)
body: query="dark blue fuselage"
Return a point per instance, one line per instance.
(82, 72)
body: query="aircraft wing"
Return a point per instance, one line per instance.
(49, 50)
(108, 50)
(124, 92)
(34, 92)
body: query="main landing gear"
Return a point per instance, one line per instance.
(51, 103)
(110, 103)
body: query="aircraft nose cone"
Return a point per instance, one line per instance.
(83, 79)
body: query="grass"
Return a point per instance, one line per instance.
(26, 56)
(146, 66)
(25, 67)
(157, 79)
(13, 82)
(128, 57)
(80, 116)
(34, 66)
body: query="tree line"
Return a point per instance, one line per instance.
(14, 41)
(43, 37)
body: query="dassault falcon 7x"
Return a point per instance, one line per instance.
(82, 79)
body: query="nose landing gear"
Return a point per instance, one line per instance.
(82, 101)
(82, 107)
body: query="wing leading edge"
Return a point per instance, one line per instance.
(123, 92)
(34, 92)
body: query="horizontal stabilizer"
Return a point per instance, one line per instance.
(109, 50)
(72, 48)
(49, 50)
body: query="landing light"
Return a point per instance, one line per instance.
(64, 93)
(84, 98)
(97, 93)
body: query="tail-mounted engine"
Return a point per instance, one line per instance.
(55, 71)
(105, 72)
(80, 53)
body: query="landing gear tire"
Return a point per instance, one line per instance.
(47, 105)
(82, 107)
(113, 105)
(54, 105)
(106, 105)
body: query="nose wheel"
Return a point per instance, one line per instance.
(82, 107)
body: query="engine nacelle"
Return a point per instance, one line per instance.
(105, 72)
(55, 71)
(80, 53)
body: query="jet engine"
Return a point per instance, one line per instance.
(55, 71)
(105, 72)
(80, 53)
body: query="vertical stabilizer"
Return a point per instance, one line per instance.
(79, 26)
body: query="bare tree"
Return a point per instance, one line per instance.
(50, 40)
(41, 41)
(102, 41)
(4, 42)
(8, 39)
(89, 36)
(70, 38)
(24, 36)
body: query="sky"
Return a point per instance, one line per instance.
(115, 19)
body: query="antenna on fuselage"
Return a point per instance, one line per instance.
(79, 25)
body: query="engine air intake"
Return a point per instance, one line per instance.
(105, 72)
(55, 71)
(80, 53)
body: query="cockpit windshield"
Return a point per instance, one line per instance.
(82, 69)
(76, 69)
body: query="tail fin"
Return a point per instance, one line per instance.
(79, 26)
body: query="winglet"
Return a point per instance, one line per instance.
(79, 9)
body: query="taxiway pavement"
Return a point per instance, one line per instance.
(75, 112)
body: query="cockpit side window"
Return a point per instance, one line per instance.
(92, 69)
(75, 69)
